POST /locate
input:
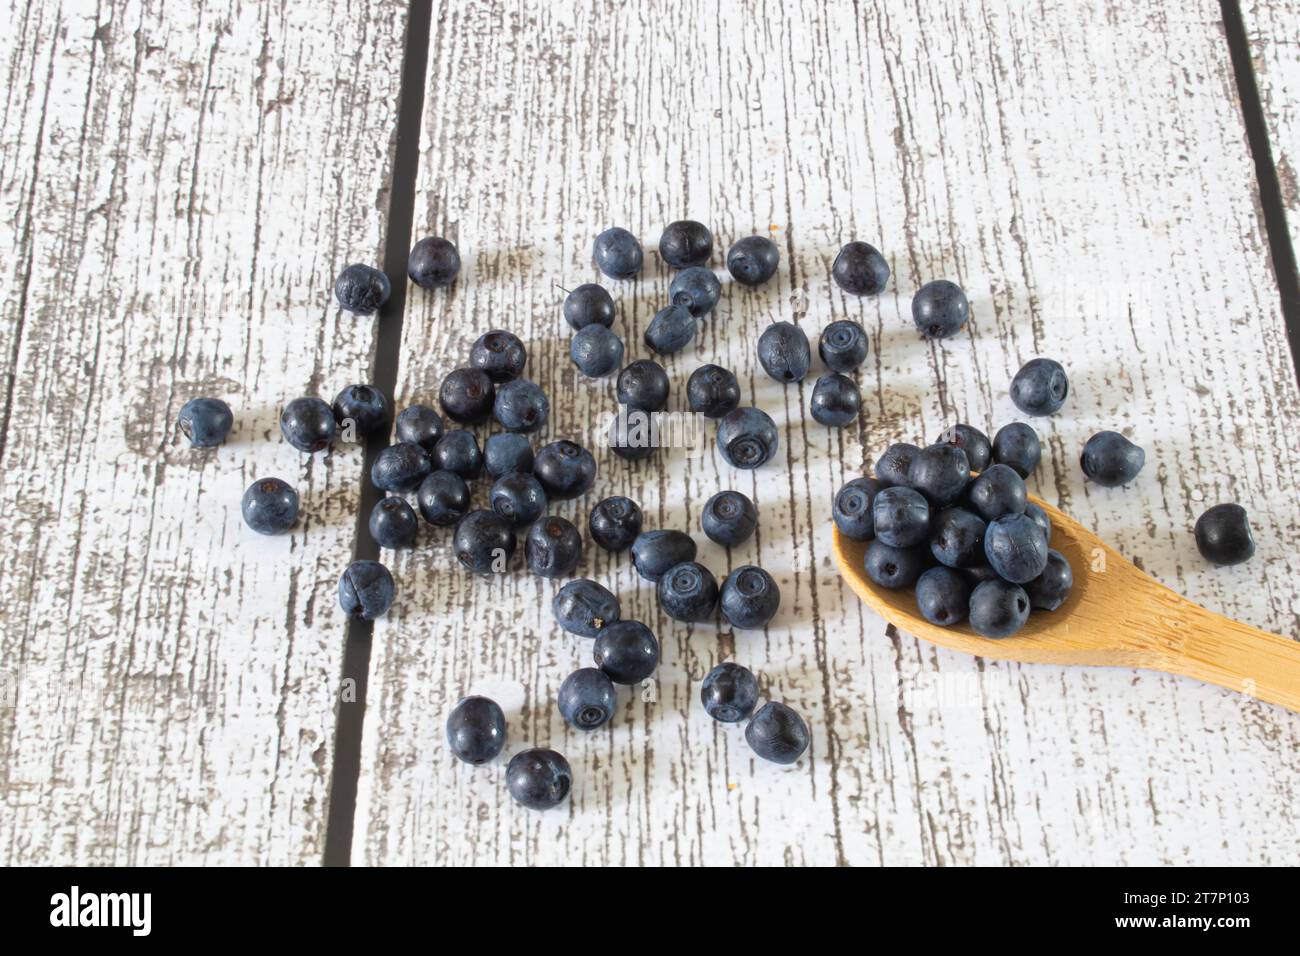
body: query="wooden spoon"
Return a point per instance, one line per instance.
(1115, 616)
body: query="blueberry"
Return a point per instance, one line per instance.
(521, 406)
(892, 567)
(972, 441)
(361, 289)
(205, 421)
(1111, 460)
(365, 406)
(596, 351)
(998, 491)
(500, 354)
(695, 289)
(998, 608)
(1017, 445)
(505, 453)
(583, 607)
(654, 552)
(467, 395)
(393, 523)
(835, 400)
(1015, 548)
(729, 693)
(1049, 590)
(433, 262)
(366, 590)
(893, 466)
(940, 309)
(484, 542)
(631, 434)
(518, 497)
(852, 509)
(400, 467)
(565, 469)
(589, 304)
(753, 260)
(712, 391)
(586, 699)
(686, 243)
(1041, 519)
(458, 452)
(749, 598)
(553, 547)
(747, 438)
(671, 330)
(443, 498)
(643, 385)
(308, 424)
(270, 506)
(729, 518)
(626, 651)
(860, 269)
(957, 538)
(777, 733)
(943, 596)
(688, 592)
(538, 779)
(940, 472)
(615, 523)
(617, 253)
(1223, 535)
(784, 352)
(419, 425)
(900, 516)
(843, 346)
(1040, 387)
(476, 730)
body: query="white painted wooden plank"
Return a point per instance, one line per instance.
(1273, 30)
(180, 186)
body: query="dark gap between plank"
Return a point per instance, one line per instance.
(340, 821)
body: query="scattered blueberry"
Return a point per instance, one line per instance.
(843, 346)
(270, 506)
(892, 567)
(940, 309)
(521, 406)
(957, 538)
(998, 608)
(508, 452)
(729, 518)
(747, 438)
(586, 699)
(729, 692)
(643, 385)
(589, 304)
(365, 406)
(596, 351)
(366, 590)
(476, 730)
(784, 352)
(900, 516)
(631, 434)
(518, 497)
(583, 607)
(205, 421)
(940, 472)
(1017, 445)
(443, 498)
(695, 289)
(753, 260)
(308, 424)
(565, 469)
(671, 330)
(860, 269)
(458, 452)
(484, 542)
(686, 243)
(654, 552)
(614, 523)
(996, 492)
(400, 467)
(1223, 535)
(712, 391)
(467, 395)
(943, 596)
(617, 253)
(433, 262)
(361, 289)
(1049, 590)
(1015, 548)
(852, 509)
(893, 466)
(1040, 387)
(1111, 460)
(419, 425)
(393, 523)
(538, 779)
(553, 547)
(749, 598)
(777, 733)
(1041, 519)
(835, 400)
(972, 441)
(501, 355)
(688, 592)
(626, 651)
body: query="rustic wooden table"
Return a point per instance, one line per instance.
(179, 190)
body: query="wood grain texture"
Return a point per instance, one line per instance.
(1273, 30)
(179, 189)
(1083, 173)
